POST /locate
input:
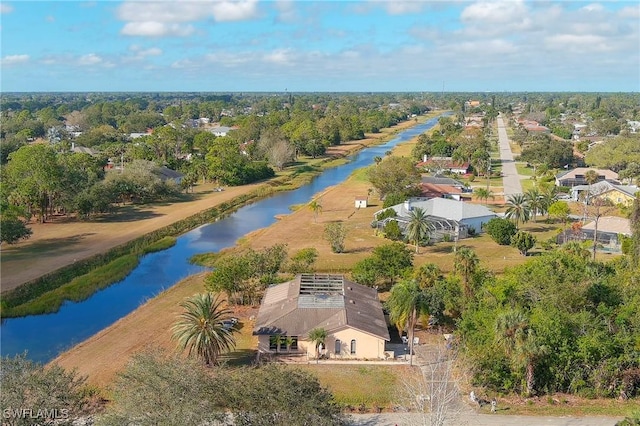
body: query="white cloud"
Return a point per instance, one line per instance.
(89, 59)
(286, 10)
(280, 57)
(630, 12)
(395, 7)
(50, 18)
(234, 11)
(5, 8)
(158, 19)
(14, 60)
(156, 29)
(141, 52)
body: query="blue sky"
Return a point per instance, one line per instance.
(373, 45)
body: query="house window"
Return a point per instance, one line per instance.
(353, 346)
(283, 343)
(338, 348)
(294, 343)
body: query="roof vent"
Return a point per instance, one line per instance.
(352, 301)
(349, 288)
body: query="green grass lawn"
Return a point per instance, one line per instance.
(353, 385)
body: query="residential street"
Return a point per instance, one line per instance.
(510, 179)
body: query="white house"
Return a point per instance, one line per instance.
(469, 215)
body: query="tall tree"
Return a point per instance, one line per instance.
(484, 194)
(518, 208)
(33, 176)
(534, 200)
(406, 303)
(465, 262)
(200, 330)
(316, 207)
(394, 174)
(418, 227)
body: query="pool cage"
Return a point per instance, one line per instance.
(440, 228)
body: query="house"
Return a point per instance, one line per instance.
(361, 202)
(84, 150)
(350, 313)
(431, 190)
(442, 164)
(577, 176)
(220, 130)
(609, 230)
(616, 194)
(166, 174)
(450, 219)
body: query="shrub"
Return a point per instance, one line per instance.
(500, 230)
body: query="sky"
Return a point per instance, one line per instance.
(320, 46)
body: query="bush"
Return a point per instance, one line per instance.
(392, 231)
(500, 230)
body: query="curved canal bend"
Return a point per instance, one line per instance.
(46, 336)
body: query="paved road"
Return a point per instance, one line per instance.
(404, 419)
(510, 179)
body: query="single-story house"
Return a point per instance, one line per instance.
(350, 313)
(432, 190)
(577, 176)
(442, 164)
(471, 216)
(167, 174)
(609, 230)
(616, 194)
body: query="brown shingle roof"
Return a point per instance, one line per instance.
(284, 310)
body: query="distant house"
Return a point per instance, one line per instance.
(166, 174)
(577, 176)
(220, 130)
(443, 164)
(350, 313)
(83, 150)
(616, 194)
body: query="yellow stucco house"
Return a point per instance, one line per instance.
(350, 313)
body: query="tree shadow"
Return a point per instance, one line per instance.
(239, 358)
(128, 215)
(43, 247)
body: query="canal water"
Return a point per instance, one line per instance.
(43, 337)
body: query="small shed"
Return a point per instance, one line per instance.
(361, 202)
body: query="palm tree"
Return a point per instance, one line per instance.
(418, 227)
(547, 197)
(377, 159)
(533, 197)
(316, 208)
(591, 177)
(465, 262)
(518, 208)
(522, 346)
(484, 194)
(405, 304)
(318, 336)
(200, 329)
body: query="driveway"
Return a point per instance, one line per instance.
(510, 179)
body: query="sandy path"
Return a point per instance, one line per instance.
(57, 244)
